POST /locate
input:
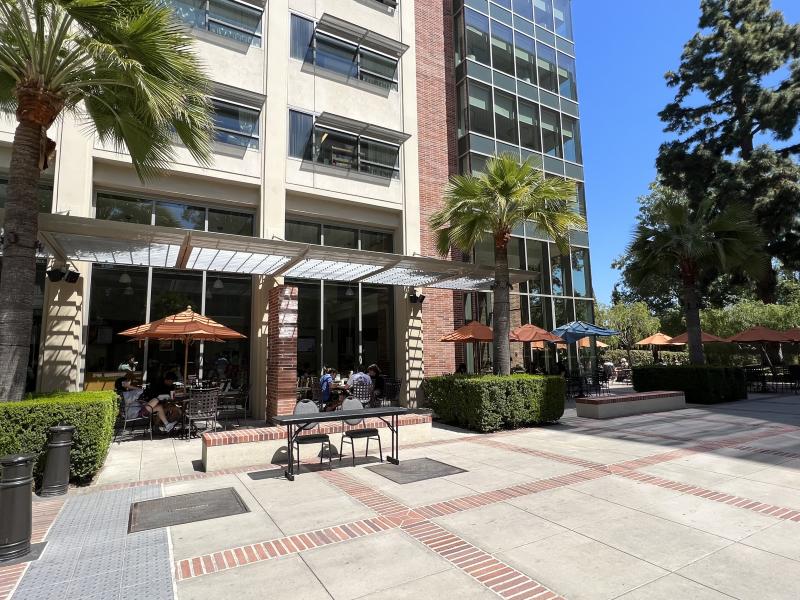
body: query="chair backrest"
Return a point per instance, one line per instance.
(316, 390)
(202, 403)
(353, 403)
(306, 407)
(362, 391)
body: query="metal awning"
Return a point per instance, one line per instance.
(360, 36)
(355, 127)
(115, 243)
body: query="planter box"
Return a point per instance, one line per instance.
(609, 407)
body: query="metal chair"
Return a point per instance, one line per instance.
(308, 407)
(350, 435)
(316, 390)
(391, 393)
(232, 404)
(123, 413)
(202, 406)
(362, 391)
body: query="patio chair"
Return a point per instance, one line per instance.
(123, 415)
(308, 407)
(202, 406)
(391, 393)
(350, 435)
(316, 390)
(362, 392)
(232, 405)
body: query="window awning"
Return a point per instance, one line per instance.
(361, 36)
(385, 134)
(109, 242)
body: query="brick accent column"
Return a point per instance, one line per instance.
(282, 351)
(443, 310)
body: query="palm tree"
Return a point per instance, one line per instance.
(684, 244)
(124, 67)
(493, 203)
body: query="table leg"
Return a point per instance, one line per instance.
(289, 473)
(395, 443)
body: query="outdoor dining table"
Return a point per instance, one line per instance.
(295, 425)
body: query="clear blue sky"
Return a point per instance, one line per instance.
(623, 49)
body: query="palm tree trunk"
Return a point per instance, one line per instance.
(19, 260)
(691, 307)
(502, 312)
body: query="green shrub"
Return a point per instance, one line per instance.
(491, 402)
(700, 384)
(25, 427)
(645, 357)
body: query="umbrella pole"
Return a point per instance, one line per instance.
(186, 343)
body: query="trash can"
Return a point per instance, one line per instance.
(16, 505)
(56, 471)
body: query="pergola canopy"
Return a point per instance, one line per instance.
(116, 243)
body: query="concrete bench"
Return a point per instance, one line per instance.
(608, 407)
(260, 445)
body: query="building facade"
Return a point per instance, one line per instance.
(338, 124)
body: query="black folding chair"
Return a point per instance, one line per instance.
(350, 435)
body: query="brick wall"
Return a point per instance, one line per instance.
(443, 310)
(282, 353)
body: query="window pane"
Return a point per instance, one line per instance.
(502, 48)
(524, 8)
(551, 132)
(235, 21)
(340, 323)
(566, 76)
(546, 61)
(309, 328)
(335, 148)
(300, 127)
(580, 273)
(563, 17)
(484, 252)
(45, 195)
(461, 101)
(228, 302)
(302, 31)
(335, 55)
(557, 274)
(224, 221)
(536, 265)
(572, 139)
(477, 162)
(172, 214)
(581, 200)
(117, 302)
(377, 241)
(480, 109)
(459, 38)
(341, 237)
(377, 158)
(377, 335)
(378, 70)
(236, 125)
(505, 111)
(530, 136)
(308, 233)
(563, 310)
(526, 58)
(477, 27)
(120, 208)
(516, 253)
(543, 10)
(584, 311)
(191, 12)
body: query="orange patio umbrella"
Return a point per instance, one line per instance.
(582, 343)
(186, 326)
(705, 338)
(471, 332)
(532, 333)
(657, 339)
(759, 335)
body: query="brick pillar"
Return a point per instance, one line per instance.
(282, 351)
(443, 310)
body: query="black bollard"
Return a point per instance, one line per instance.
(56, 472)
(16, 505)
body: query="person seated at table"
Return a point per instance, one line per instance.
(377, 380)
(129, 365)
(139, 406)
(330, 399)
(359, 376)
(162, 390)
(609, 369)
(462, 369)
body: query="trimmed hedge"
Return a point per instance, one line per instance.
(25, 427)
(644, 357)
(700, 384)
(490, 402)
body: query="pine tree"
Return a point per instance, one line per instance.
(736, 108)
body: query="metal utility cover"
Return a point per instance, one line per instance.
(185, 508)
(418, 469)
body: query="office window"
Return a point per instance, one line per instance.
(480, 109)
(477, 162)
(459, 38)
(546, 61)
(572, 139)
(335, 148)
(235, 124)
(524, 8)
(173, 214)
(377, 69)
(125, 209)
(234, 20)
(335, 55)
(341, 237)
(566, 76)
(461, 109)
(580, 273)
(301, 231)
(505, 111)
(226, 221)
(301, 125)
(526, 58)
(563, 15)
(378, 158)
(376, 241)
(530, 136)
(559, 273)
(581, 200)
(300, 36)
(543, 13)
(44, 195)
(477, 27)
(502, 48)
(551, 133)
(536, 252)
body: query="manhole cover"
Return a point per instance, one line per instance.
(418, 469)
(185, 508)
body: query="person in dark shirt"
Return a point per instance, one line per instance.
(376, 376)
(163, 388)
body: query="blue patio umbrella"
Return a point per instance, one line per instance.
(572, 332)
